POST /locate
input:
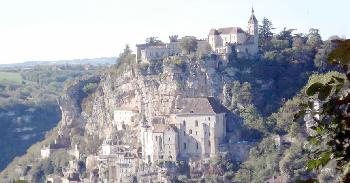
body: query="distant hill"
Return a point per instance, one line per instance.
(92, 61)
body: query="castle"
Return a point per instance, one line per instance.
(220, 41)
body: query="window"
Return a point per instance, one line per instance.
(190, 131)
(209, 133)
(169, 138)
(185, 146)
(184, 123)
(196, 123)
(209, 143)
(184, 133)
(197, 146)
(196, 133)
(208, 118)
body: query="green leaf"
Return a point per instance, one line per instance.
(338, 87)
(313, 164)
(325, 157)
(324, 92)
(314, 88)
(340, 80)
(314, 141)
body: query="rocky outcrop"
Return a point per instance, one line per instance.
(152, 95)
(70, 105)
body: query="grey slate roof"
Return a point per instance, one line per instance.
(226, 30)
(202, 105)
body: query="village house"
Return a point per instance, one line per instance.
(121, 161)
(124, 116)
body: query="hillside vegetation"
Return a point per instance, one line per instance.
(28, 105)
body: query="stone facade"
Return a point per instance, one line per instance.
(201, 125)
(196, 131)
(124, 116)
(245, 42)
(120, 161)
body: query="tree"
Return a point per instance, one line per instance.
(152, 41)
(329, 132)
(286, 34)
(188, 44)
(314, 39)
(265, 33)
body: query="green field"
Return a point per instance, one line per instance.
(10, 76)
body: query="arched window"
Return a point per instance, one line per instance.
(197, 146)
(190, 131)
(185, 146)
(184, 123)
(196, 123)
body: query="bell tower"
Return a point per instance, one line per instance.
(252, 24)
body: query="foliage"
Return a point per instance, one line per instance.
(330, 137)
(262, 163)
(188, 44)
(10, 76)
(29, 108)
(90, 87)
(265, 33)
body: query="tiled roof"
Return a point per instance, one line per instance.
(226, 30)
(201, 105)
(160, 128)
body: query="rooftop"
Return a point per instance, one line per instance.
(226, 30)
(201, 105)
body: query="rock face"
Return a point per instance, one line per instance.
(152, 95)
(70, 105)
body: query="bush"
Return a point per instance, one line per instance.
(90, 87)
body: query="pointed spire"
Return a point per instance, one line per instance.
(252, 9)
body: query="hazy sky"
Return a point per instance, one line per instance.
(68, 29)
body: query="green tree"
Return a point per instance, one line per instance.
(188, 44)
(265, 32)
(331, 128)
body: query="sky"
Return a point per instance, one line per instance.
(47, 30)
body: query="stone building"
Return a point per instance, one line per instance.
(245, 42)
(146, 53)
(159, 142)
(196, 131)
(201, 125)
(124, 116)
(120, 161)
